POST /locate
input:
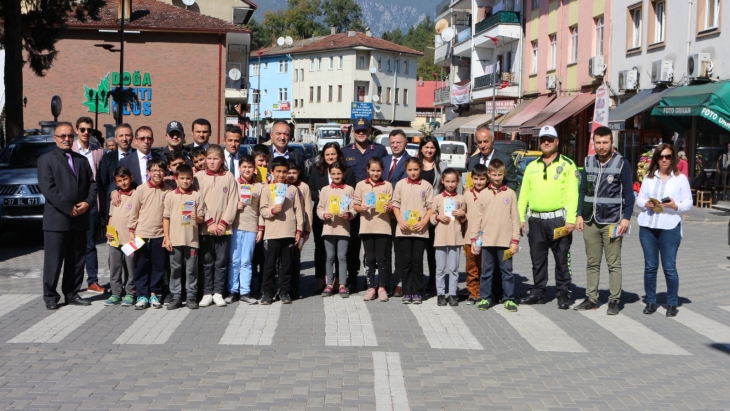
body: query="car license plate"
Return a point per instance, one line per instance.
(21, 201)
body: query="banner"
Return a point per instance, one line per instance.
(600, 114)
(460, 94)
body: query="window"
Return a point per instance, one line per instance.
(301, 75)
(256, 97)
(296, 75)
(711, 14)
(380, 64)
(635, 28)
(659, 17)
(341, 62)
(339, 93)
(553, 52)
(266, 65)
(397, 66)
(599, 36)
(311, 64)
(283, 94)
(296, 103)
(508, 63)
(388, 66)
(387, 95)
(535, 4)
(265, 93)
(319, 63)
(255, 69)
(332, 63)
(319, 94)
(534, 58)
(397, 91)
(361, 63)
(405, 96)
(311, 94)
(380, 94)
(360, 93)
(329, 94)
(301, 102)
(405, 67)
(573, 58)
(283, 66)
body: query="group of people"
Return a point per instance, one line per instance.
(235, 224)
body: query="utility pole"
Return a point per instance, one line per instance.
(120, 93)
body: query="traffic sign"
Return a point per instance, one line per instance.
(361, 110)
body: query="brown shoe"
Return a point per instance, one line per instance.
(398, 292)
(96, 288)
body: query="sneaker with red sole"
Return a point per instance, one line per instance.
(96, 288)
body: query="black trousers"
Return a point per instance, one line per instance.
(320, 254)
(67, 249)
(259, 256)
(431, 258)
(278, 249)
(540, 237)
(150, 270)
(296, 270)
(377, 248)
(353, 255)
(214, 250)
(412, 249)
(397, 273)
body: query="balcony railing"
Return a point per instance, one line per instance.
(442, 52)
(443, 6)
(491, 80)
(464, 35)
(442, 95)
(502, 17)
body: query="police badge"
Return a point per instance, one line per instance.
(558, 171)
(609, 178)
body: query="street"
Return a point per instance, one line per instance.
(333, 353)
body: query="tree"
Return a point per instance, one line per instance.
(419, 37)
(260, 35)
(34, 34)
(344, 15)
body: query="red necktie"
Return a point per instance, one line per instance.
(390, 173)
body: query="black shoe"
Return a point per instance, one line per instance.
(441, 301)
(533, 299)
(471, 301)
(613, 307)
(191, 303)
(650, 308)
(266, 300)
(587, 304)
(167, 299)
(285, 299)
(174, 303)
(77, 300)
(232, 298)
(672, 311)
(564, 300)
(53, 305)
(453, 301)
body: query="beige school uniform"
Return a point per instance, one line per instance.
(471, 200)
(119, 216)
(447, 234)
(145, 218)
(287, 222)
(183, 233)
(498, 219)
(410, 195)
(336, 225)
(219, 194)
(305, 194)
(373, 222)
(249, 219)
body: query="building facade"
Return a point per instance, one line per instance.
(428, 116)
(270, 96)
(232, 11)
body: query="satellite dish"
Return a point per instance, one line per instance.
(377, 109)
(188, 2)
(375, 98)
(437, 40)
(447, 34)
(280, 41)
(441, 25)
(373, 69)
(234, 74)
(289, 41)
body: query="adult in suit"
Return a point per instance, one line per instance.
(67, 183)
(485, 144)
(137, 162)
(280, 136)
(201, 134)
(109, 163)
(93, 153)
(395, 171)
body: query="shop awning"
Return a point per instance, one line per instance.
(643, 100)
(514, 124)
(475, 121)
(707, 101)
(579, 103)
(515, 111)
(410, 131)
(450, 126)
(545, 114)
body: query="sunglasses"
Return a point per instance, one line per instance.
(85, 129)
(175, 136)
(665, 156)
(145, 138)
(65, 136)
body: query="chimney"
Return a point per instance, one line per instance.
(127, 10)
(333, 30)
(368, 32)
(420, 81)
(351, 33)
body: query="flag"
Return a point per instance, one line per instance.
(600, 114)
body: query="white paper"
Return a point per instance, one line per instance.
(132, 246)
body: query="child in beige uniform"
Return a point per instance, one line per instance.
(473, 263)
(448, 214)
(121, 266)
(305, 196)
(412, 194)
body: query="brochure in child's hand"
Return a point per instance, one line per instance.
(280, 193)
(344, 203)
(449, 207)
(334, 205)
(371, 199)
(245, 193)
(132, 246)
(466, 181)
(413, 218)
(382, 201)
(187, 212)
(262, 175)
(113, 232)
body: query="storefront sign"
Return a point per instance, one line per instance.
(284, 106)
(501, 106)
(97, 100)
(715, 118)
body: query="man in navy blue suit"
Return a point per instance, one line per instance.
(395, 170)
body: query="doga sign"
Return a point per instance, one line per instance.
(97, 100)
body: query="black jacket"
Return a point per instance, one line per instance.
(105, 179)
(510, 173)
(63, 190)
(293, 155)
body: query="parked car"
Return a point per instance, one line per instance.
(508, 146)
(454, 154)
(521, 159)
(21, 201)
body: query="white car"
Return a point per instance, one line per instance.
(454, 154)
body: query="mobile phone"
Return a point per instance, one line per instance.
(666, 200)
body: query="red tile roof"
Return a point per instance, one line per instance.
(425, 92)
(343, 41)
(153, 15)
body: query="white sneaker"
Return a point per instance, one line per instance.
(207, 301)
(219, 301)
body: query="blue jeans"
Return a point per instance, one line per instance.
(656, 242)
(241, 270)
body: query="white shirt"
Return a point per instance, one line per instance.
(205, 146)
(143, 165)
(277, 154)
(486, 161)
(87, 153)
(235, 171)
(674, 187)
(119, 154)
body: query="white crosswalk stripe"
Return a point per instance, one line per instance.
(58, 325)
(155, 326)
(390, 387)
(9, 302)
(252, 325)
(635, 334)
(348, 322)
(443, 327)
(700, 324)
(541, 332)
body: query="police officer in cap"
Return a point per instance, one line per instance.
(175, 137)
(605, 204)
(548, 204)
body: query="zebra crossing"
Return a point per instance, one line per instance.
(349, 323)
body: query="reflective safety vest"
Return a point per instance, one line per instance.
(604, 195)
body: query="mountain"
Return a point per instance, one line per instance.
(380, 15)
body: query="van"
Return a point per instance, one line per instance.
(454, 154)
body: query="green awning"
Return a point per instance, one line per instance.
(708, 101)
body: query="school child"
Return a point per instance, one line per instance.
(336, 226)
(449, 212)
(247, 232)
(306, 198)
(261, 154)
(375, 229)
(498, 222)
(473, 263)
(182, 213)
(121, 266)
(145, 222)
(412, 195)
(283, 225)
(174, 159)
(219, 193)
(198, 156)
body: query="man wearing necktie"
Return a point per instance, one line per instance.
(232, 141)
(485, 143)
(66, 180)
(109, 162)
(396, 172)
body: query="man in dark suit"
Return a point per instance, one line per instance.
(394, 171)
(201, 134)
(137, 162)
(485, 143)
(67, 183)
(280, 134)
(109, 163)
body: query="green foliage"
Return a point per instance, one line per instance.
(344, 15)
(260, 35)
(419, 37)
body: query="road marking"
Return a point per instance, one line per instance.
(635, 334)
(540, 331)
(154, 326)
(252, 325)
(443, 327)
(9, 302)
(347, 322)
(58, 325)
(390, 387)
(711, 329)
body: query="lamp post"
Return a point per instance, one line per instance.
(120, 94)
(258, 103)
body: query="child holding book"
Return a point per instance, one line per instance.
(121, 266)
(261, 154)
(473, 263)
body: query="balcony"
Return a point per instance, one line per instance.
(442, 54)
(442, 96)
(443, 6)
(491, 80)
(464, 34)
(497, 28)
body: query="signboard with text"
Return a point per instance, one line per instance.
(361, 110)
(501, 106)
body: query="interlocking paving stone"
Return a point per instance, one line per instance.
(155, 326)
(10, 302)
(542, 333)
(711, 329)
(390, 387)
(443, 327)
(348, 322)
(252, 325)
(58, 325)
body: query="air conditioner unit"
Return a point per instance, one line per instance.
(628, 80)
(596, 66)
(699, 66)
(267, 113)
(662, 72)
(551, 82)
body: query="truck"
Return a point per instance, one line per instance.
(328, 133)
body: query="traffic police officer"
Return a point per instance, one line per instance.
(605, 204)
(549, 201)
(356, 157)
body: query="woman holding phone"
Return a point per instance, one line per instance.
(664, 196)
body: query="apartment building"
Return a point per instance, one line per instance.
(270, 95)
